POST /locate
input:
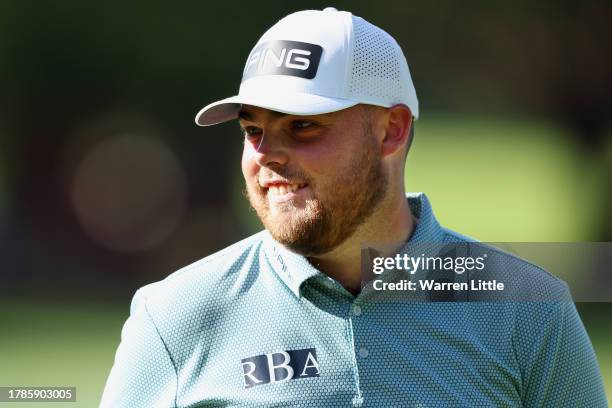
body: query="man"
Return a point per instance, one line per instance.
(286, 317)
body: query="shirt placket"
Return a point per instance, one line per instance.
(359, 349)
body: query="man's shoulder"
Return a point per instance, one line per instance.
(201, 281)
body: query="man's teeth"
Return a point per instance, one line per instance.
(284, 189)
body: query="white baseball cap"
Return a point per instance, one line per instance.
(313, 62)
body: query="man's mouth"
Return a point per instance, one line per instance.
(282, 189)
(279, 191)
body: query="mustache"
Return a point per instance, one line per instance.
(290, 175)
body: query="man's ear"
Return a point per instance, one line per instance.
(398, 122)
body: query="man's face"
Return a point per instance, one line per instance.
(311, 179)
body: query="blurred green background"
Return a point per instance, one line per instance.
(106, 184)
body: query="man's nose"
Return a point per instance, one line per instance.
(271, 150)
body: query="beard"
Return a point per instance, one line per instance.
(338, 206)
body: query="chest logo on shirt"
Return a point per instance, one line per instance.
(280, 366)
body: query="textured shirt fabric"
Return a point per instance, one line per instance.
(190, 337)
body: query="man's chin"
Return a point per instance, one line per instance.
(305, 241)
(301, 230)
(283, 228)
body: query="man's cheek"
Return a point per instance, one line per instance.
(249, 167)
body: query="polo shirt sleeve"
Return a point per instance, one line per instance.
(143, 374)
(559, 365)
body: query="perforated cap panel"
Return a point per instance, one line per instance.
(378, 73)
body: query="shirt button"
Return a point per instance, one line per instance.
(357, 310)
(363, 352)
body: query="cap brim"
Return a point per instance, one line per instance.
(292, 104)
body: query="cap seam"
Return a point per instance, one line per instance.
(348, 64)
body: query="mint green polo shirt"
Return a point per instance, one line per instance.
(256, 325)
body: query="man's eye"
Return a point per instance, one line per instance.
(251, 131)
(302, 124)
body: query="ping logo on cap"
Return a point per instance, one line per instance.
(283, 57)
(279, 367)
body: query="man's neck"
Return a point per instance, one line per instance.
(391, 226)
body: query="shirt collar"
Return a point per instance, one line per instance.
(427, 230)
(294, 269)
